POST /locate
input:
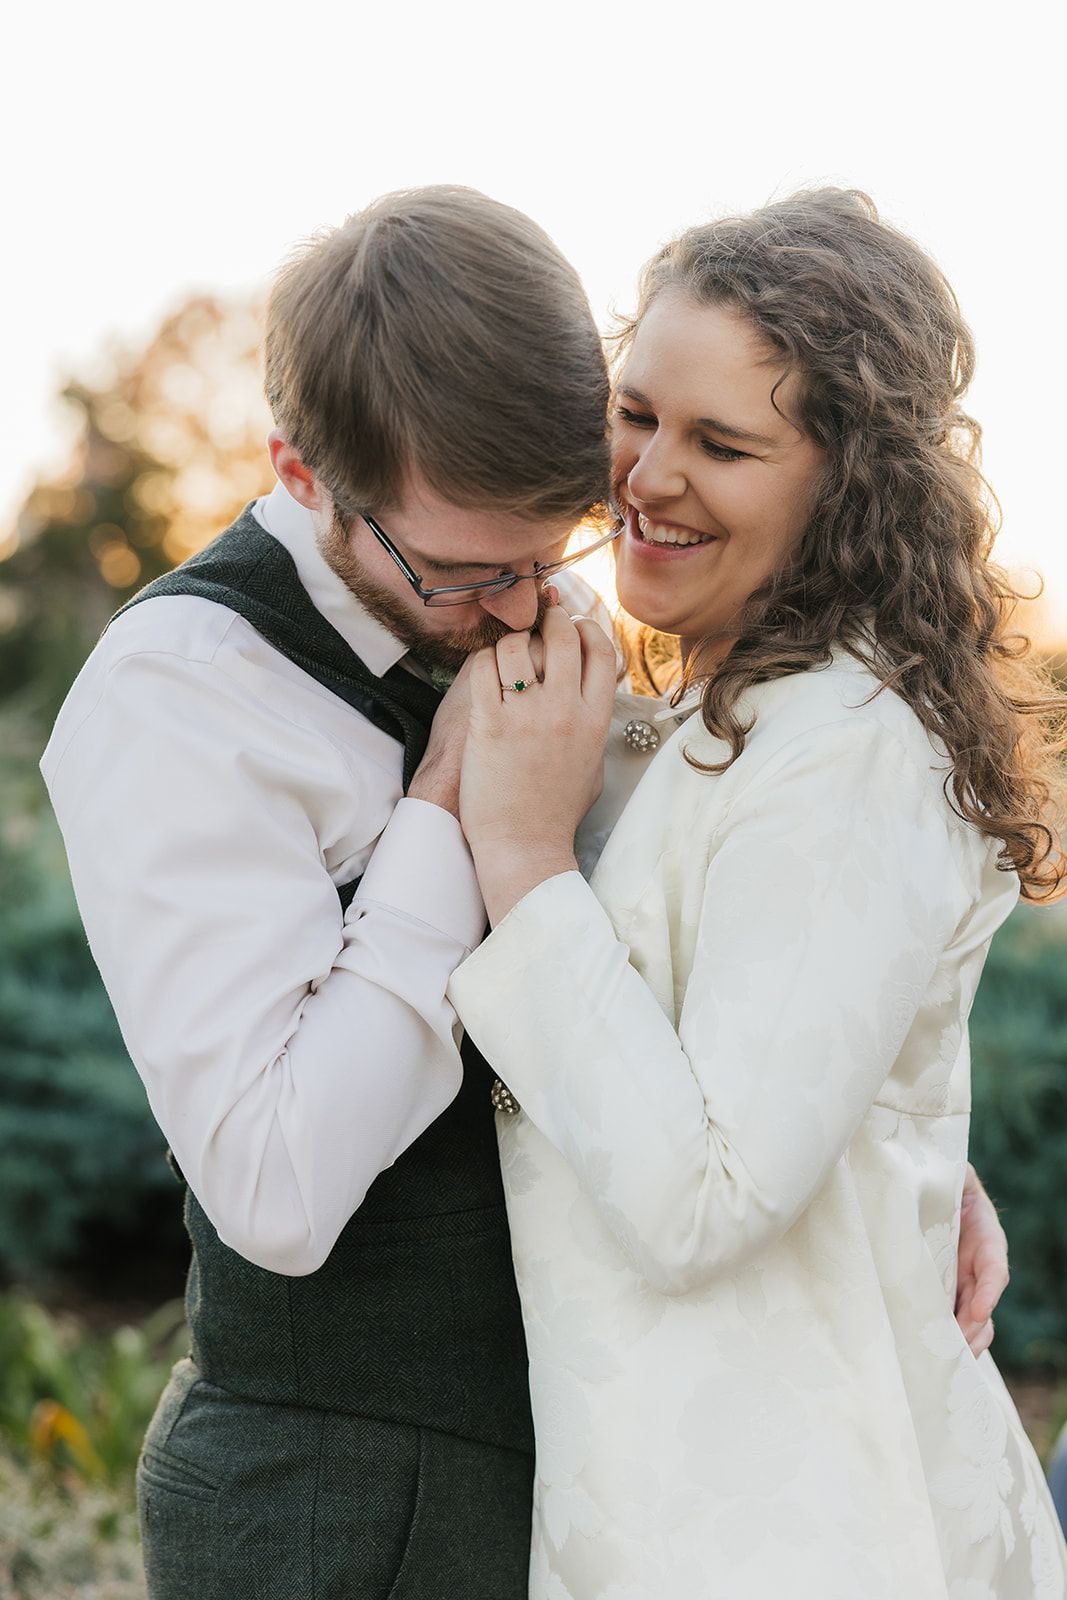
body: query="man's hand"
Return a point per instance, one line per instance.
(436, 778)
(982, 1274)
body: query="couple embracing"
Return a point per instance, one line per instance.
(727, 1071)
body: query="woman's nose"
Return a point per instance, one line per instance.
(657, 473)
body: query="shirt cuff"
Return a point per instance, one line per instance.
(422, 868)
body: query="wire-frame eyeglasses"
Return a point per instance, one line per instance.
(459, 594)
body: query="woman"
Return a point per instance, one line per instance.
(740, 1054)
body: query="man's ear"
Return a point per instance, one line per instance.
(292, 474)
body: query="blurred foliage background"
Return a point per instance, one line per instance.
(169, 447)
(1019, 1126)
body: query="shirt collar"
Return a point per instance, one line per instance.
(685, 706)
(288, 522)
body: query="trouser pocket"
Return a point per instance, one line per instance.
(179, 1529)
(178, 1503)
(242, 1500)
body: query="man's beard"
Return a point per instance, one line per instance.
(449, 648)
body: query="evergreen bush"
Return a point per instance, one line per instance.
(1019, 1126)
(80, 1154)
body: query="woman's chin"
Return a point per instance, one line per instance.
(658, 611)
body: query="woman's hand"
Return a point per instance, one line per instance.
(436, 778)
(533, 760)
(982, 1274)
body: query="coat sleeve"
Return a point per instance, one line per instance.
(829, 896)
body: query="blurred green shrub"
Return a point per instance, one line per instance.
(78, 1401)
(74, 1406)
(1019, 1126)
(80, 1153)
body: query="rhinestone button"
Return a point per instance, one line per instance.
(503, 1099)
(641, 736)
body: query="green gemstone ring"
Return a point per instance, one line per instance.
(519, 685)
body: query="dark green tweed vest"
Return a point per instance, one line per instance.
(414, 1318)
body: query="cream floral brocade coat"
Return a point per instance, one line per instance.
(734, 1184)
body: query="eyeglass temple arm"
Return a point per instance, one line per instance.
(579, 555)
(409, 572)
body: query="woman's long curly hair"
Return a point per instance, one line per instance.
(894, 564)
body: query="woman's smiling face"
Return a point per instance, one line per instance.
(715, 480)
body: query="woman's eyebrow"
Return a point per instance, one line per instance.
(735, 433)
(713, 423)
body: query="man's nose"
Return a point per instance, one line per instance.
(517, 606)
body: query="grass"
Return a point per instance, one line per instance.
(74, 1406)
(62, 1538)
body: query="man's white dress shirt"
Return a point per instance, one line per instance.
(212, 796)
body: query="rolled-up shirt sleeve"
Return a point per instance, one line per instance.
(290, 1052)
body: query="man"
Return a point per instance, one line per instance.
(276, 890)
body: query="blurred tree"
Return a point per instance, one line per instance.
(170, 449)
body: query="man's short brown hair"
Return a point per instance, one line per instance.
(440, 331)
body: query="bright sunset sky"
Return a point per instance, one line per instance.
(153, 150)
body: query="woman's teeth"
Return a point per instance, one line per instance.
(653, 533)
